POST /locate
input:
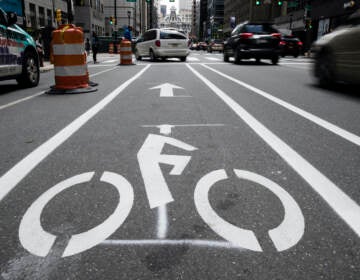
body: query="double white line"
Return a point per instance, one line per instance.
(340, 202)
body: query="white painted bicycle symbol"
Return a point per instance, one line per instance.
(39, 242)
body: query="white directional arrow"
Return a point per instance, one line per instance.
(166, 90)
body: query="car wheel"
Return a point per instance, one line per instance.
(275, 59)
(325, 69)
(296, 55)
(152, 56)
(258, 60)
(183, 59)
(237, 56)
(137, 56)
(30, 70)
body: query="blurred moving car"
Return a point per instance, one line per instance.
(161, 43)
(19, 58)
(253, 40)
(290, 45)
(215, 45)
(337, 54)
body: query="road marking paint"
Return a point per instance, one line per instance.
(39, 242)
(166, 89)
(213, 58)
(18, 172)
(189, 58)
(162, 222)
(149, 158)
(238, 236)
(166, 128)
(42, 92)
(111, 61)
(21, 100)
(323, 123)
(172, 242)
(340, 202)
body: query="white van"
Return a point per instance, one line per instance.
(161, 43)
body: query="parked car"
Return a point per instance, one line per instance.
(253, 40)
(337, 54)
(202, 46)
(193, 46)
(161, 43)
(290, 45)
(19, 58)
(215, 45)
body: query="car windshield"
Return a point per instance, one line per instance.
(171, 35)
(259, 29)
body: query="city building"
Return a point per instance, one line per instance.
(215, 19)
(89, 14)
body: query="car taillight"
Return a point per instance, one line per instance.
(282, 43)
(276, 35)
(300, 43)
(245, 35)
(157, 43)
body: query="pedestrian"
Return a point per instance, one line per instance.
(40, 50)
(127, 33)
(87, 46)
(94, 45)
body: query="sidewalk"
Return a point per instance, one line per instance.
(47, 67)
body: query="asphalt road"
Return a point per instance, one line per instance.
(171, 170)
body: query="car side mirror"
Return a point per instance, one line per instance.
(12, 18)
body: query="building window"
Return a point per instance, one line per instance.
(49, 17)
(41, 16)
(32, 15)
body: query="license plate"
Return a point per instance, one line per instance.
(261, 41)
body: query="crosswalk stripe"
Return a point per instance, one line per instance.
(192, 59)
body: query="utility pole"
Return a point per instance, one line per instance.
(70, 11)
(115, 25)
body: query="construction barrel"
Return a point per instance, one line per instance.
(69, 58)
(111, 48)
(125, 52)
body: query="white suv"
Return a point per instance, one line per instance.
(161, 43)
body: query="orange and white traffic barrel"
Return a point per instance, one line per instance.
(125, 52)
(69, 58)
(111, 48)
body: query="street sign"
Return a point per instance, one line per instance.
(130, 0)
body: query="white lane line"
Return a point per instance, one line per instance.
(340, 202)
(21, 100)
(162, 222)
(172, 242)
(12, 177)
(315, 119)
(42, 92)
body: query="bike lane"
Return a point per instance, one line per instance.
(170, 147)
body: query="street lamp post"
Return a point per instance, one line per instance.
(129, 14)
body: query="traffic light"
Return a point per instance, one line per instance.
(111, 20)
(58, 15)
(257, 2)
(280, 3)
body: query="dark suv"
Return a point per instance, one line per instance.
(253, 40)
